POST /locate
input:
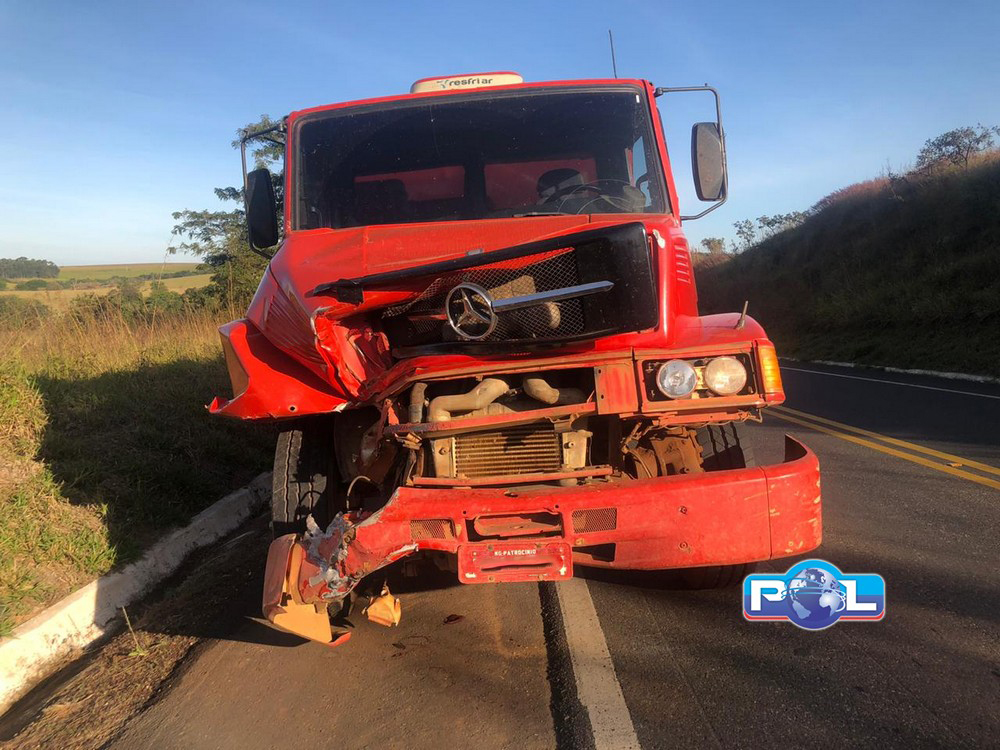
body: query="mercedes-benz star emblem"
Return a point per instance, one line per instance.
(469, 308)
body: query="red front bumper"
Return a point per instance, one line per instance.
(499, 535)
(716, 518)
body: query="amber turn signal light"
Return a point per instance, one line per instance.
(770, 374)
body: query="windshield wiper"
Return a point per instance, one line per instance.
(540, 213)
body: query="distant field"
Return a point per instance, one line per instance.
(66, 273)
(59, 299)
(183, 283)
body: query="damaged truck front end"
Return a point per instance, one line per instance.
(484, 346)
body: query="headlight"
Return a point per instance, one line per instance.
(676, 379)
(725, 376)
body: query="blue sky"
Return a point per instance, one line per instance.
(121, 113)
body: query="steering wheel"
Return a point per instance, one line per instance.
(596, 187)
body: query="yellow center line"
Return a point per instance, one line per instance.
(893, 441)
(890, 451)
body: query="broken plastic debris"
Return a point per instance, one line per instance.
(384, 609)
(281, 605)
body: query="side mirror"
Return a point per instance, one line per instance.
(708, 161)
(262, 221)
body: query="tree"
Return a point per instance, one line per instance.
(714, 245)
(771, 225)
(27, 268)
(956, 146)
(747, 233)
(220, 236)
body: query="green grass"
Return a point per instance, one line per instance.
(104, 444)
(128, 270)
(904, 273)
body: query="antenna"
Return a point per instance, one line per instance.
(614, 65)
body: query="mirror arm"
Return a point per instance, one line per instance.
(707, 210)
(243, 160)
(658, 91)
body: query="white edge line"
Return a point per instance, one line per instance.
(89, 613)
(902, 370)
(890, 382)
(597, 685)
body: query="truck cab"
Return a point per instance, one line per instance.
(479, 335)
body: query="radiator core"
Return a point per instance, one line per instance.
(526, 449)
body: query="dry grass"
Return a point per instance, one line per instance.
(104, 443)
(59, 299)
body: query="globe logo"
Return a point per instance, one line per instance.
(815, 598)
(814, 594)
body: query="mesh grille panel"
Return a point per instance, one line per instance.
(528, 449)
(553, 271)
(595, 519)
(432, 528)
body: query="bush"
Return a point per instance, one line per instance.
(17, 312)
(32, 285)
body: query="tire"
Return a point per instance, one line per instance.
(722, 447)
(305, 476)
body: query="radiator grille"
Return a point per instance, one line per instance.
(528, 449)
(595, 519)
(551, 271)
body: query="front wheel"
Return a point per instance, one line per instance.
(305, 478)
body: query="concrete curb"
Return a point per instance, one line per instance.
(80, 619)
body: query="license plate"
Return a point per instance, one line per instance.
(507, 562)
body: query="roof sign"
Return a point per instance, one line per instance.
(466, 81)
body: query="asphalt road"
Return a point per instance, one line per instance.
(630, 661)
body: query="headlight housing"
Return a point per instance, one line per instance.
(725, 376)
(676, 379)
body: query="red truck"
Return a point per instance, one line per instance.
(480, 338)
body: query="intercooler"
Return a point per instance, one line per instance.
(525, 449)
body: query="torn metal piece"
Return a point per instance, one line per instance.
(384, 609)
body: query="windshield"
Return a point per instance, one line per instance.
(554, 151)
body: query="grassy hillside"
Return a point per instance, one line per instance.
(105, 443)
(902, 272)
